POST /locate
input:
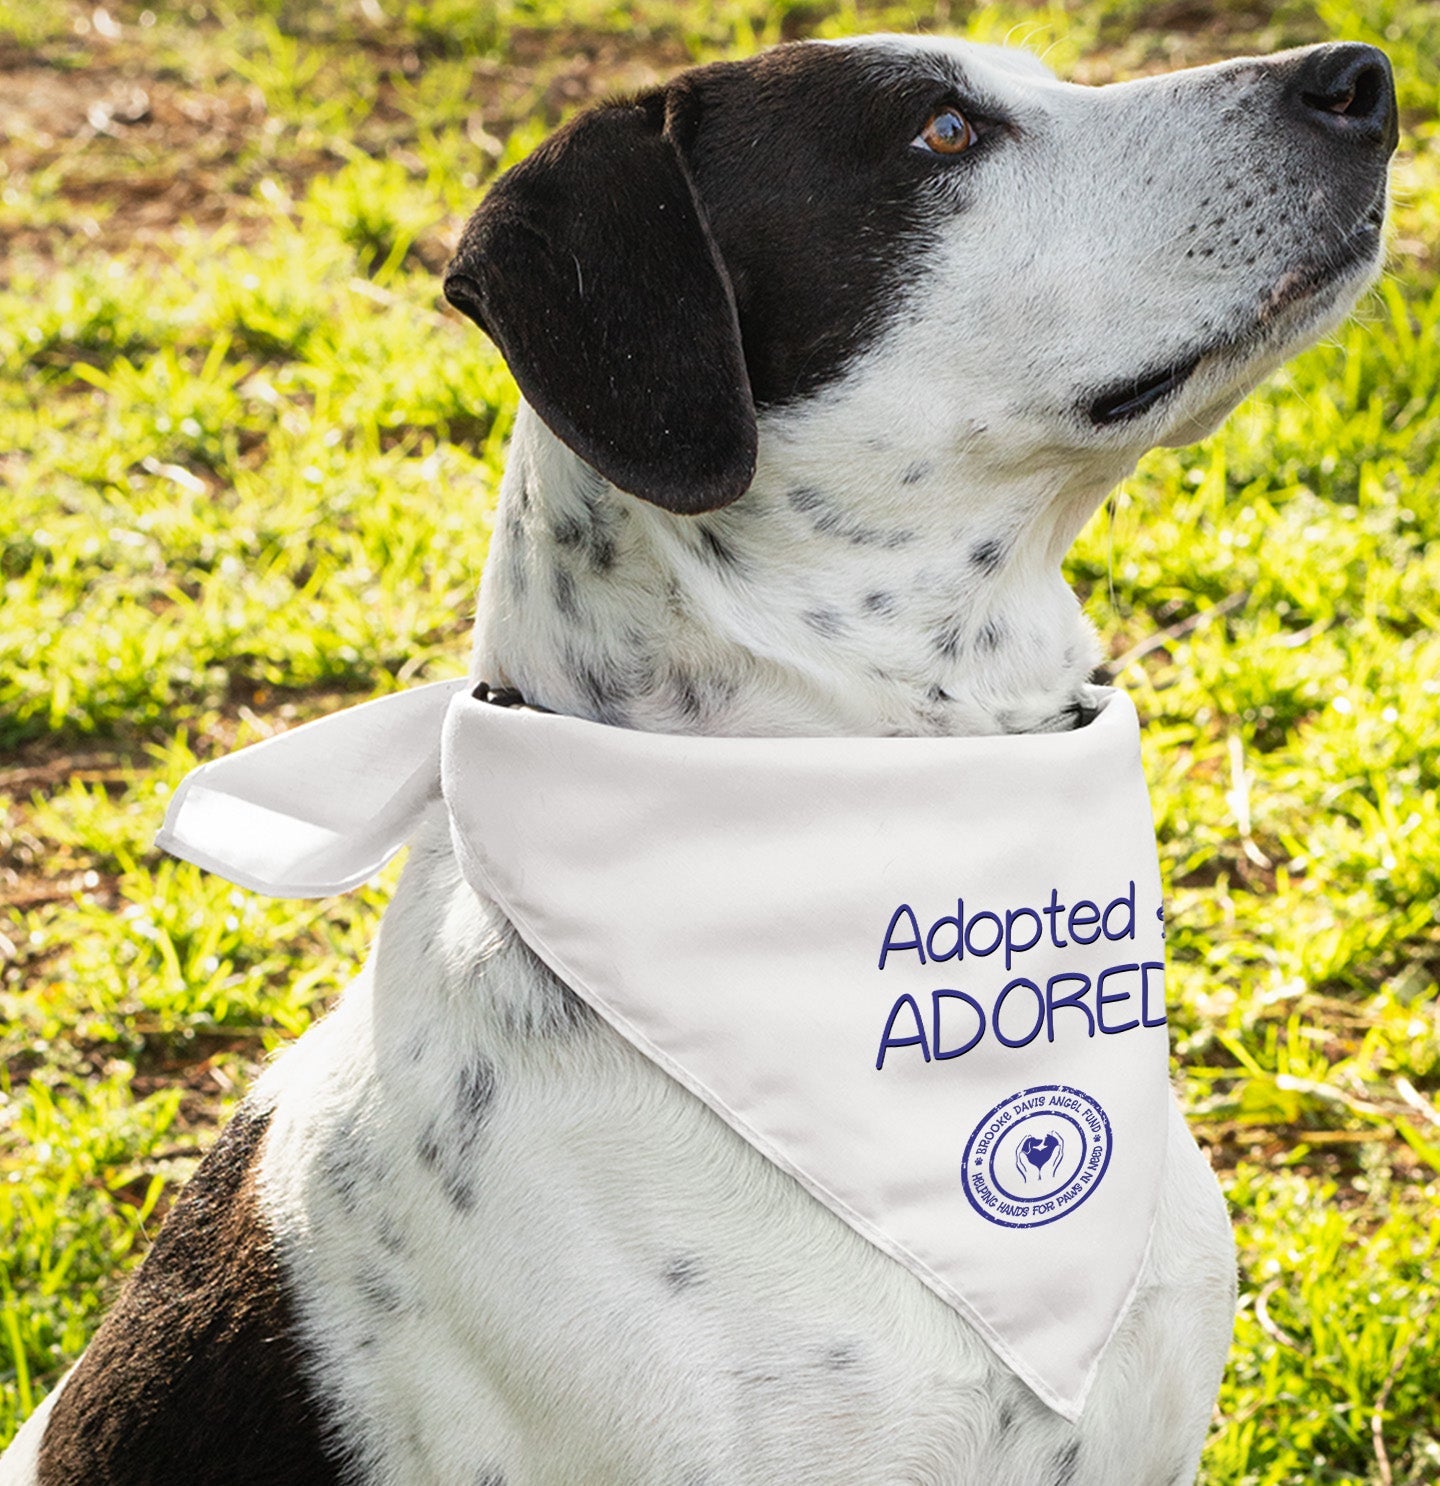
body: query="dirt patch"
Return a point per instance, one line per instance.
(114, 160)
(113, 147)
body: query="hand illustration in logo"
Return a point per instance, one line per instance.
(1036, 1152)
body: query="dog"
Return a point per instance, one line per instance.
(826, 357)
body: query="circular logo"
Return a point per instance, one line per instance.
(1036, 1156)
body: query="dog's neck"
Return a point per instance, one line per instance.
(873, 593)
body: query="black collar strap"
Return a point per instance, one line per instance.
(1081, 713)
(505, 696)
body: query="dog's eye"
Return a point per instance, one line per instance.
(948, 133)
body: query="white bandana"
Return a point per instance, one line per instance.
(924, 976)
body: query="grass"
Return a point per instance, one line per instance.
(248, 460)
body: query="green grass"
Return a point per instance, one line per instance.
(248, 459)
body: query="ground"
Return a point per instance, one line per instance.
(248, 456)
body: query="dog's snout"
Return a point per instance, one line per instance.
(1348, 91)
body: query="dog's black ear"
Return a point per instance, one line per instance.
(592, 267)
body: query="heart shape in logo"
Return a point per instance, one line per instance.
(1039, 1151)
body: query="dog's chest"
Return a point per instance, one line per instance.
(522, 1254)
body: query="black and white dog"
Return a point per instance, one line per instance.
(827, 356)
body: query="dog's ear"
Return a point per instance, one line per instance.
(592, 267)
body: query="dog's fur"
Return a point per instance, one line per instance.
(867, 395)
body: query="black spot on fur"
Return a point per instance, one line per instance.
(568, 532)
(938, 694)
(378, 1292)
(602, 553)
(946, 638)
(828, 622)
(341, 1175)
(563, 587)
(515, 555)
(1065, 1463)
(879, 602)
(992, 635)
(841, 1356)
(916, 472)
(987, 555)
(605, 693)
(390, 1235)
(687, 697)
(683, 1272)
(476, 1092)
(590, 533)
(490, 1478)
(459, 1191)
(347, 1164)
(448, 1148)
(830, 520)
(197, 1377)
(1006, 1421)
(715, 547)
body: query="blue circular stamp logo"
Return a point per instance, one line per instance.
(1036, 1156)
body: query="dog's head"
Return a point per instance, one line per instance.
(1015, 271)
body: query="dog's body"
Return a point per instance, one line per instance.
(463, 1233)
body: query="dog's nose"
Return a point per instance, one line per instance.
(1348, 91)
